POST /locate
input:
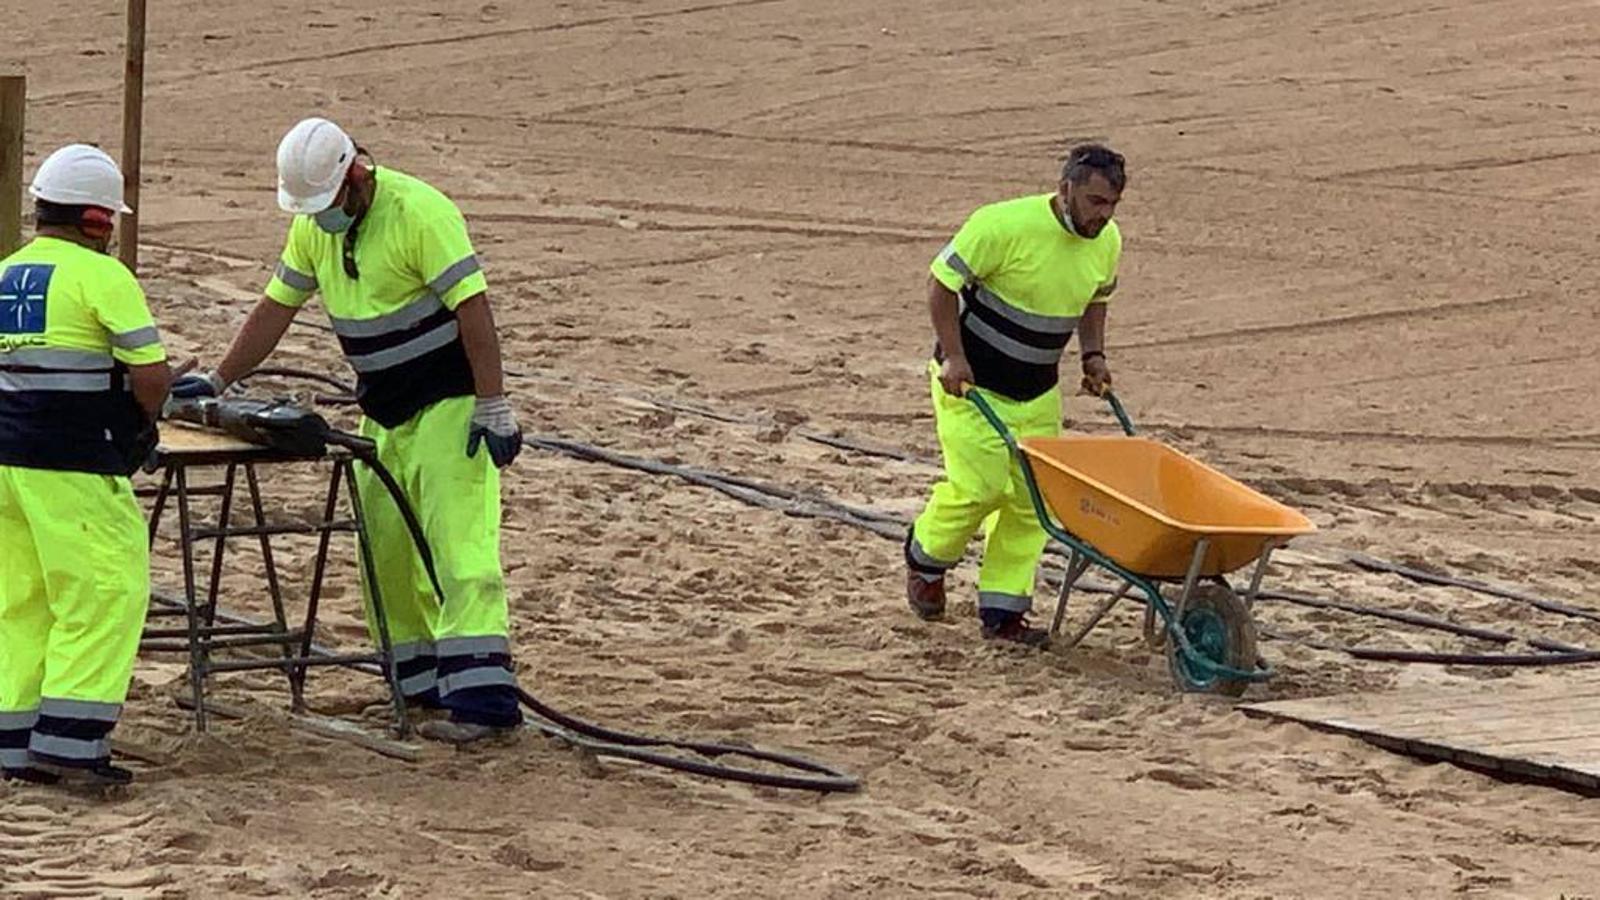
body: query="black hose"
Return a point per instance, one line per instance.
(1373, 564)
(1394, 615)
(1474, 659)
(304, 374)
(611, 742)
(603, 741)
(365, 451)
(598, 739)
(1374, 654)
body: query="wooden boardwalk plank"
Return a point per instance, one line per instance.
(1545, 732)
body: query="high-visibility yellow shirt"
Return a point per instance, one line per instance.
(71, 322)
(414, 265)
(1024, 280)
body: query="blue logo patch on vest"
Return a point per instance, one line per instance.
(23, 288)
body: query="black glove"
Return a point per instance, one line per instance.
(495, 424)
(142, 452)
(198, 384)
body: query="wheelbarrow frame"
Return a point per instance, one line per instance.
(1198, 670)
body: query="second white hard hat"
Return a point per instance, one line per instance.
(312, 161)
(80, 175)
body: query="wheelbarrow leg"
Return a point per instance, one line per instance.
(1076, 566)
(1260, 572)
(1083, 630)
(1201, 547)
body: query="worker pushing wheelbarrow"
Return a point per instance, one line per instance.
(1006, 296)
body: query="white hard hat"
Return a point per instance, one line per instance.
(80, 175)
(312, 161)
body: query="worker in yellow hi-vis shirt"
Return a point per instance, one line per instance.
(403, 288)
(82, 379)
(1006, 296)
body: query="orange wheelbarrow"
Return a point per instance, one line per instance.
(1153, 516)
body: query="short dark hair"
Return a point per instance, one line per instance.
(1086, 159)
(48, 213)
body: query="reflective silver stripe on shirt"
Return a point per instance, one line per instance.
(80, 709)
(401, 319)
(69, 748)
(139, 337)
(487, 676)
(404, 353)
(300, 281)
(954, 261)
(452, 276)
(1011, 347)
(473, 646)
(1043, 324)
(86, 382)
(58, 358)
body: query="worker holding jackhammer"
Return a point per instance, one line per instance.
(404, 291)
(82, 379)
(1006, 296)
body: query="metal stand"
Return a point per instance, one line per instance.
(201, 634)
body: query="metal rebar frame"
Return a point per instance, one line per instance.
(294, 647)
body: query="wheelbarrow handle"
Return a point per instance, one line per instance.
(978, 400)
(1121, 413)
(988, 412)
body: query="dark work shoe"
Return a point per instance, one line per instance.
(926, 598)
(31, 775)
(1002, 625)
(103, 775)
(460, 733)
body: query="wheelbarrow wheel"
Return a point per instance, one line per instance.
(1220, 628)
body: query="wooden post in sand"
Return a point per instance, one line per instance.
(13, 101)
(132, 132)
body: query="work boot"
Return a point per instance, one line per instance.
(101, 775)
(461, 733)
(30, 775)
(1004, 625)
(925, 597)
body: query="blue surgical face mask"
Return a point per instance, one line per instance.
(334, 220)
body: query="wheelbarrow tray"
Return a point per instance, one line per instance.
(1146, 505)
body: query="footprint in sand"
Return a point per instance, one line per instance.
(46, 853)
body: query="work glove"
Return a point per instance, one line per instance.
(197, 384)
(141, 453)
(495, 424)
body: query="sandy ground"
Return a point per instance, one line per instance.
(1358, 275)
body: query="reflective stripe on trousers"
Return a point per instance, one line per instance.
(74, 587)
(457, 500)
(16, 727)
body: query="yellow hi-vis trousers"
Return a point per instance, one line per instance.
(74, 588)
(983, 486)
(456, 654)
